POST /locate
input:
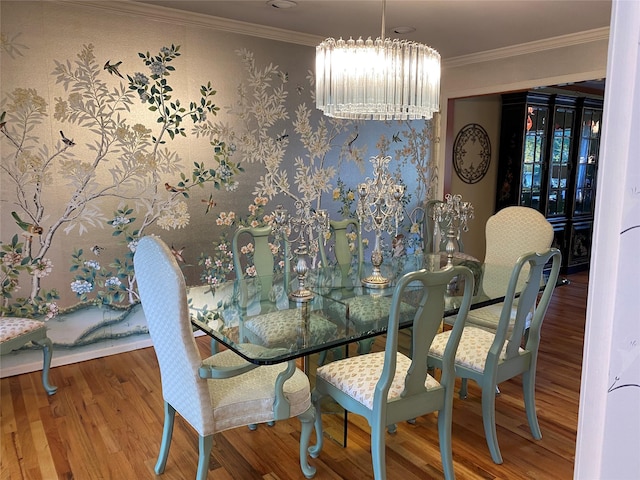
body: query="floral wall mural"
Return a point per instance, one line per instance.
(181, 132)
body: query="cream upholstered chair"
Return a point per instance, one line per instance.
(218, 393)
(388, 387)
(273, 324)
(16, 332)
(490, 357)
(510, 233)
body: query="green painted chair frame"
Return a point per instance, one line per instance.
(36, 335)
(493, 357)
(406, 397)
(339, 230)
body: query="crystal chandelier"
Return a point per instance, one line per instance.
(378, 79)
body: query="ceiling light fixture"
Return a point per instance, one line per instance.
(377, 80)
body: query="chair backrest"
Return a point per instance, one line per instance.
(435, 239)
(340, 231)
(514, 231)
(426, 324)
(263, 256)
(164, 301)
(532, 265)
(510, 233)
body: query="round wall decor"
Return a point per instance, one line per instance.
(471, 153)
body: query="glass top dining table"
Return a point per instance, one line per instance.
(255, 318)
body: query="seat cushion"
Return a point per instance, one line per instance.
(283, 328)
(248, 398)
(358, 376)
(13, 327)
(369, 311)
(472, 350)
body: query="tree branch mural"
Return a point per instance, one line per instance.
(132, 156)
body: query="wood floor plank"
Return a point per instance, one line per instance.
(106, 421)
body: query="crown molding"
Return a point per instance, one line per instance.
(170, 15)
(588, 36)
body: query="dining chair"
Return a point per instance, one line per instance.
(349, 260)
(433, 235)
(16, 332)
(273, 324)
(220, 392)
(491, 357)
(388, 387)
(510, 233)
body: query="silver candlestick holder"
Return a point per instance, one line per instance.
(452, 216)
(379, 210)
(302, 229)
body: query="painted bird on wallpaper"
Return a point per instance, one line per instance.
(68, 142)
(171, 188)
(97, 250)
(210, 204)
(30, 228)
(178, 254)
(113, 69)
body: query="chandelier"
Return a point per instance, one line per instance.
(379, 79)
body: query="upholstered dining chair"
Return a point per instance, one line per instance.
(222, 391)
(274, 324)
(491, 357)
(388, 387)
(16, 332)
(339, 239)
(510, 233)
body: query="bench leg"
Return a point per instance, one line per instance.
(47, 348)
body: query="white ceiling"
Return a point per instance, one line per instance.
(453, 27)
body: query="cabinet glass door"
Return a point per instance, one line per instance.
(559, 165)
(533, 158)
(587, 161)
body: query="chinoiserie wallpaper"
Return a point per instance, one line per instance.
(114, 126)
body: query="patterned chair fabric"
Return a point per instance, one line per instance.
(16, 332)
(218, 393)
(510, 233)
(490, 357)
(389, 387)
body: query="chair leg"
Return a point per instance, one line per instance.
(444, 434)
(529, 388)
(167, 432)
(378, 452)
(204, 451)
(47, 348)
(463, 388)
(307, 420)
(489, 421)
(365, 346)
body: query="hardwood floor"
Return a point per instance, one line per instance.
(105, 422)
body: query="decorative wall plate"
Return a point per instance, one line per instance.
(471, 153)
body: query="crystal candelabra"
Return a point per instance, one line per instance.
(452, 216)
(304, 228)
(379, 209)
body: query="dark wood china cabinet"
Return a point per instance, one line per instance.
(548, 160)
